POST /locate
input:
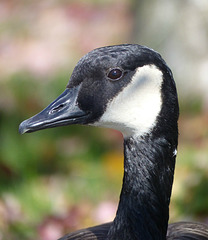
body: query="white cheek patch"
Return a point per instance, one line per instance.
(135, 109)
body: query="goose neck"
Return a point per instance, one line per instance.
(143, 210)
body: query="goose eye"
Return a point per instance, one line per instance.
(115, 74)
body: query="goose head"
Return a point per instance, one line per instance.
(131, 89)
(125, 87)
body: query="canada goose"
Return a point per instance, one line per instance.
(131, 89)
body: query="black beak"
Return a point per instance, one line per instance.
(63, 111)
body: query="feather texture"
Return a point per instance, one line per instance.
(176, 231)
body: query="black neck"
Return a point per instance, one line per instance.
(143, 210)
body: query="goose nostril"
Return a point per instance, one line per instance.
(56, 109)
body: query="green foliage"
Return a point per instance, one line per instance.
(191, 105)
(193, 199)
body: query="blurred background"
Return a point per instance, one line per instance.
(58, 180)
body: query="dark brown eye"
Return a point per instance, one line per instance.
(115, 74)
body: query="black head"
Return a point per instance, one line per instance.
(122, 87)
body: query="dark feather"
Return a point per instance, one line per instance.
(93, 233)
(187, 231)
(176, 231)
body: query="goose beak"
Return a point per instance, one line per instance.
(63, 111)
